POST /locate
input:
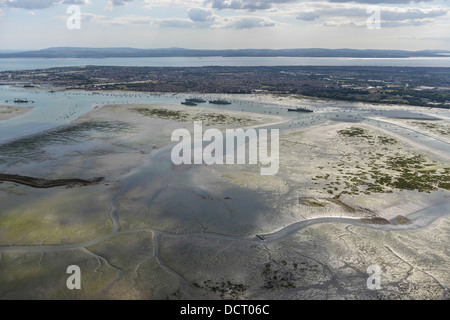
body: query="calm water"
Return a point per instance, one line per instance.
(25, 64)
(59, 108)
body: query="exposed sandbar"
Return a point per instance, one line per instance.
(10, 112)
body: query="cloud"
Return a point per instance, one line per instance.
(357, 14)
(412, 13)
(386, 24)
(117, 3)
(127, 20)
(38, 4)
(198, 18)
(174, 23)
(130, 20)
(308, 15)
(407, 23)
(245, 22)
(149, 4)
(250, 5)
(201, 14)
(253, 5)
(89, 17)
(120, 2)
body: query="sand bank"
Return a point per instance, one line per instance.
(10, 112)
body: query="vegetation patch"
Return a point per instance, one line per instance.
(402, 220)
(177, 115)
(278, 275)
(435, 127)
(373, 170)
(225, 289)
(375, 220)
(311, 202)
(371, 139)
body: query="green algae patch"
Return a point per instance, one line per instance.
(375, 220)
(311, 202)
(54, 216)
(182, 116)
(402, 220)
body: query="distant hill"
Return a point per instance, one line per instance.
(81, 52)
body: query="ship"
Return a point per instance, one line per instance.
(21, 100)
(219, 102)
(188, 103)
(300, 109)
(195, 100)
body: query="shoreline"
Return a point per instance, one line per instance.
(267, 97)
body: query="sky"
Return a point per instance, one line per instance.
(225, 24)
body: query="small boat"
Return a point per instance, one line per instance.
(299, 109)
(20, 100)
(196, 100)
(188, 103)
(219, 102)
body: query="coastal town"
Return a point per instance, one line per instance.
(387, 85)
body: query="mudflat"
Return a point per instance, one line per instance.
(348, 195)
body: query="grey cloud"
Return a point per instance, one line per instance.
(201, 14)
(391, 17)
(120, 2)
(413, 14)
(250, 5)
(309, 16)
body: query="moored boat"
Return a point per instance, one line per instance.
(300, 109)
(21, 100)
(219, 102)
(188, 103)
(195, 100)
